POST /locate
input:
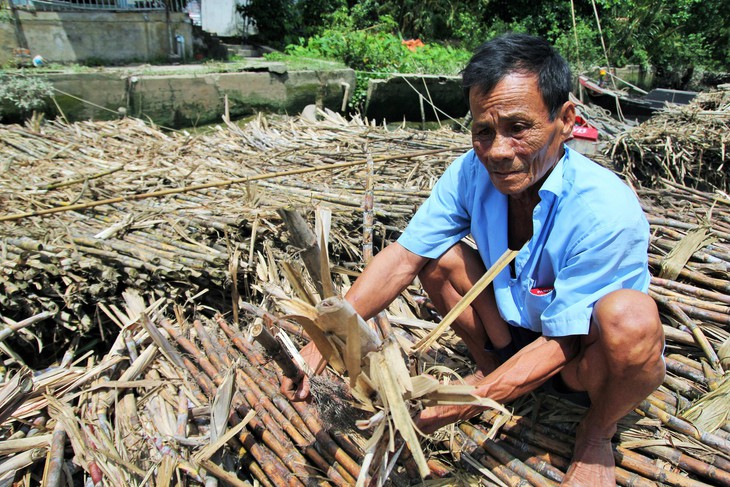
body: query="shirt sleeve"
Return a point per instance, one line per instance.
(606, 258)
(443, 219)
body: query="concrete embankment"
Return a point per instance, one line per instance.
(191, 95)
(184, 98)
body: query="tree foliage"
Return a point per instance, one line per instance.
(675, 37)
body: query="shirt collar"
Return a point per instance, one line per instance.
(554, 182)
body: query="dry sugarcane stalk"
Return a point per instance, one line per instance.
(265, 468)
(696, 330)
(300, 411)
(624, 477)
(266, 428)
(368, 219)
(276, 351)
(681, 426)
(481, 439)
(685, 462)
(637, 463)
(54, 461)
(216, 184)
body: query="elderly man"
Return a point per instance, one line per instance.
(571, 311)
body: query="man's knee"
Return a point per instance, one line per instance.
(630, 326)
(453, 262)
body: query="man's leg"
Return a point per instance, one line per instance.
(446, 280)
(619, 365)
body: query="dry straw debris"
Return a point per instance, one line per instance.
(126, 325)
(683, 144)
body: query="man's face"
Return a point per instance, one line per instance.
(513, 135)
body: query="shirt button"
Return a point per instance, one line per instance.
(511, 283)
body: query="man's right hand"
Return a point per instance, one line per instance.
(295, 391)
(300, 390)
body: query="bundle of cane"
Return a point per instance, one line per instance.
(377, 369)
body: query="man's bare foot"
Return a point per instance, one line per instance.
(593, 463)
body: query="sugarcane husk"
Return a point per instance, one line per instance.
(14, 392)
(336, 315)
(304, 239)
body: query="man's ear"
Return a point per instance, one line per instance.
(567, 117)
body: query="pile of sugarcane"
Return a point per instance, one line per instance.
(181, 213)
(177, 389)
(684, 144)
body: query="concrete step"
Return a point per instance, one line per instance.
(242, 50)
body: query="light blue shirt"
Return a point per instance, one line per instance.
(590, 237)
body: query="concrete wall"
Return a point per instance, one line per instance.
(7, 43)
(190, 99)
(98, 37)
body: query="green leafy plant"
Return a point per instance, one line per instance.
(21, 94)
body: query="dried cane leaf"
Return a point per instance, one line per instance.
(352, 355)
(422, 384)
(323, 344)
(323, 223)
(392, 355)
(673, 263)
(222, 405)
(402, 421)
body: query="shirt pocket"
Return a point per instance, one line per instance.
(537, 300)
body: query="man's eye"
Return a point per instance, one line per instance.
(518, 128)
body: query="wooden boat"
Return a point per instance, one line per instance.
(634, 108)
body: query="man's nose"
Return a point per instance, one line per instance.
(500, 149)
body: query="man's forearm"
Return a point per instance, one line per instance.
(528, 369)
(389, 273)
(524, 372)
